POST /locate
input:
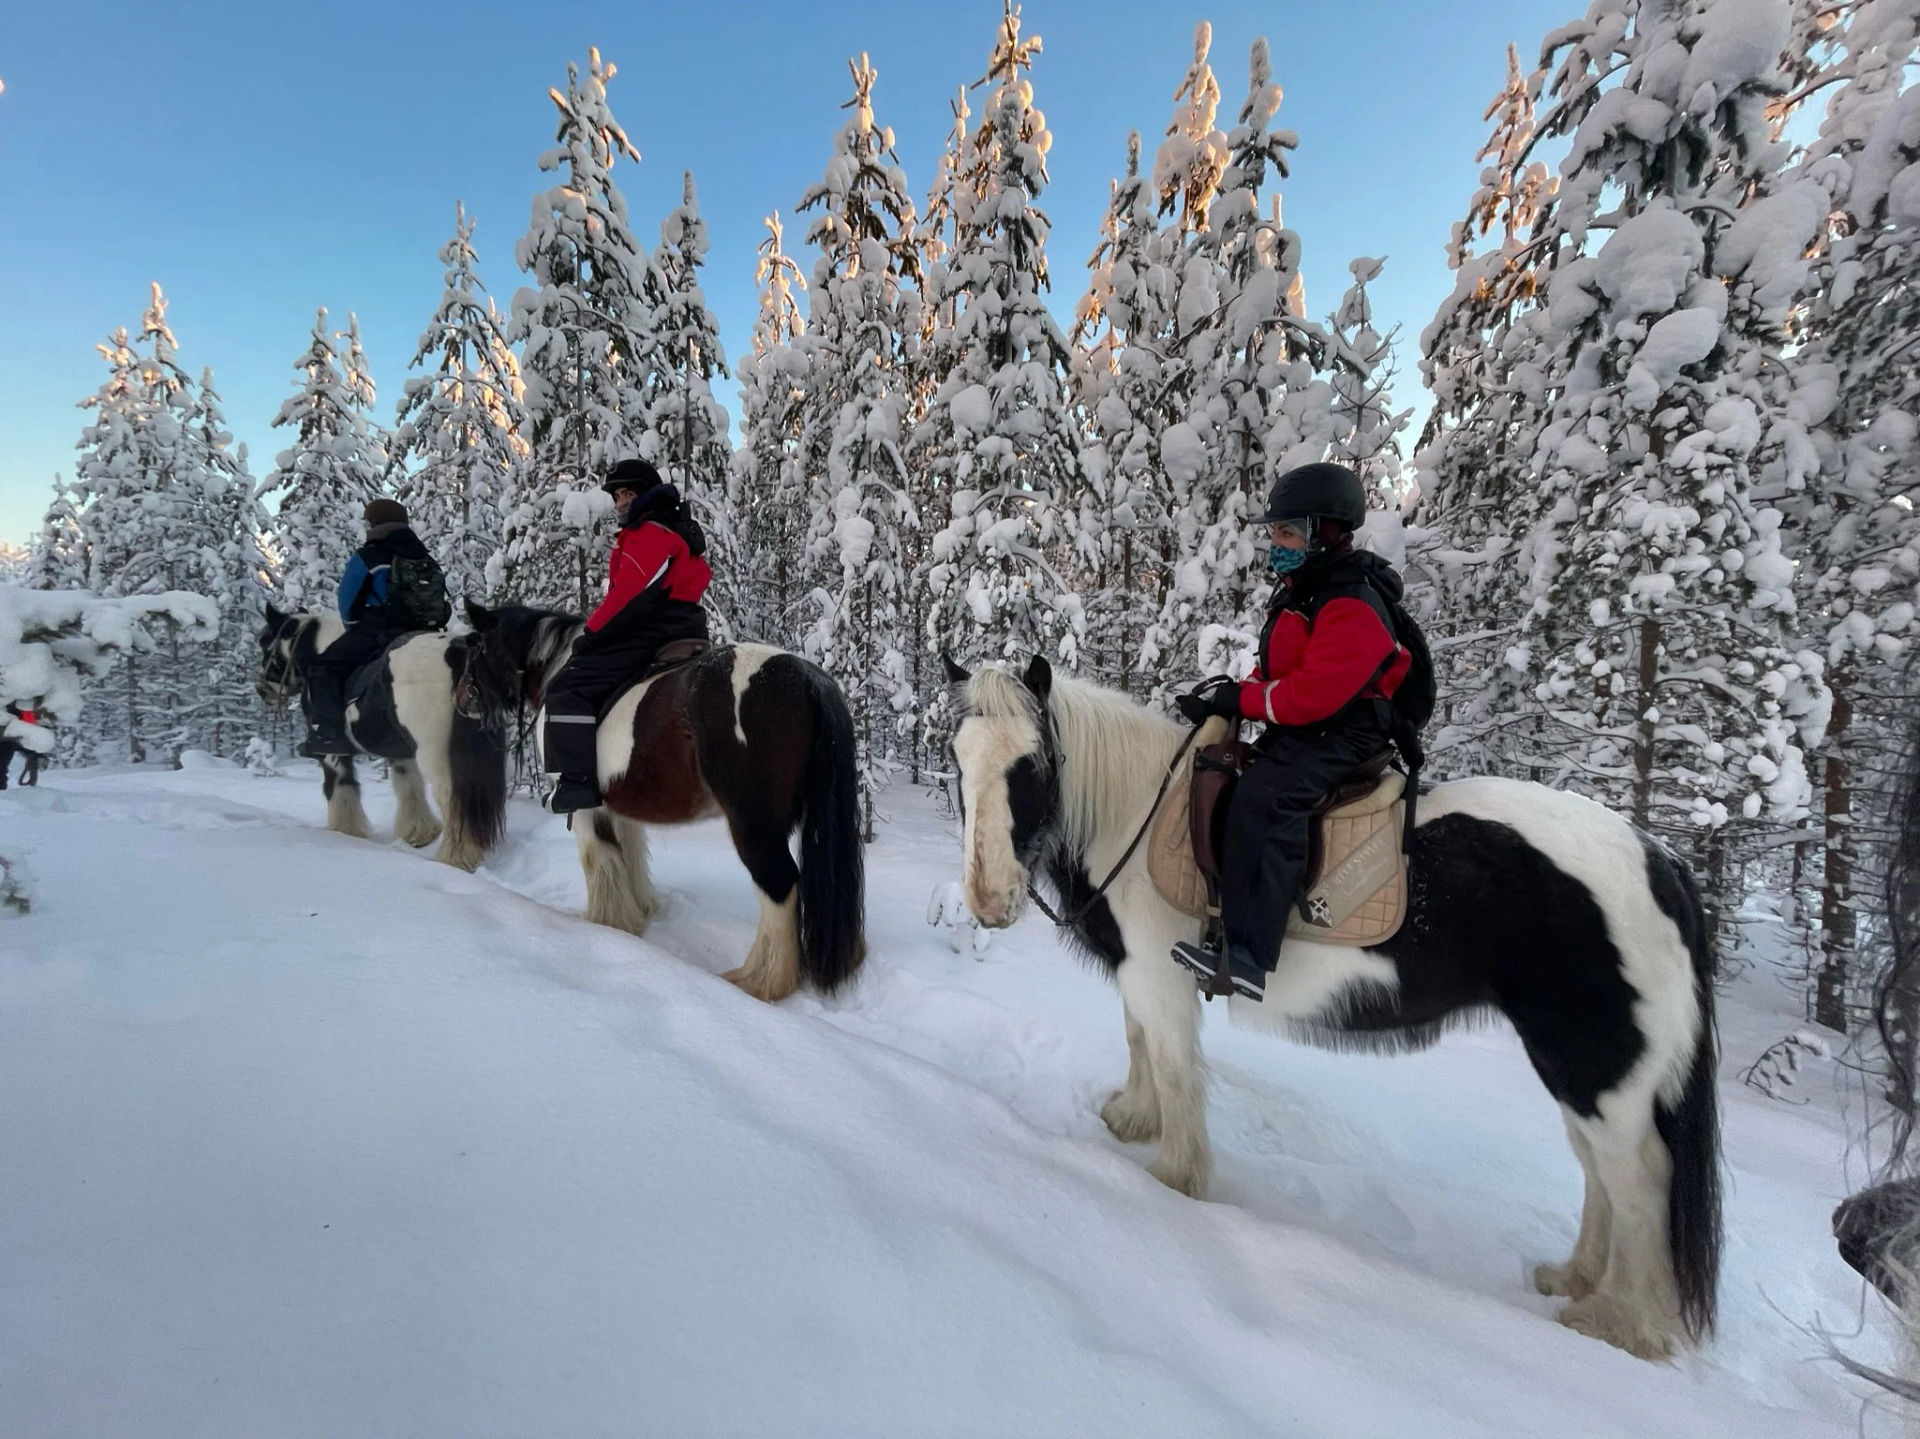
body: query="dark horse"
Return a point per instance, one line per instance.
(745, 731)
(1524, 900)
(405, 716)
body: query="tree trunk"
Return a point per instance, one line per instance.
(1649, 679)
(1836, 893)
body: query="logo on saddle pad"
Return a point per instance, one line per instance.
(1357, 894)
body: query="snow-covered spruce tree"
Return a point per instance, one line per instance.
(998, 436)
(458, 444)
(358, 375)
(766, 487)
(1854, 524)
(1474, 460)
(1361, 359)
(686, 427)
(584, 330)
(323, 479)
(57, 558)
(1256, 390)
(1123, 328)
(1659, 640)
(853, 434)
(234, 571)
(52, 642)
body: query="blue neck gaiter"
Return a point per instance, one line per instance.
(1283, 561)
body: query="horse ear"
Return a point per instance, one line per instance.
(1039, 678)
(955, 674)
(275, 618)
(479, 616)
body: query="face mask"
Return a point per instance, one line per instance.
(1283, 561)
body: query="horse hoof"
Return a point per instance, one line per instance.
(1186, 1179)
(1562, 1281)
(1130, 1123)
(421, 838)
(1603, 1317)
(756, 986)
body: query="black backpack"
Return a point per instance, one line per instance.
(1414, 700)
(417, 594)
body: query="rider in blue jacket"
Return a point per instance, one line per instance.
(365, 589)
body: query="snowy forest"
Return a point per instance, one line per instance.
(1658, 520)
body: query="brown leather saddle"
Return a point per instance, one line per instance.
(670, 656)
(1355, 889)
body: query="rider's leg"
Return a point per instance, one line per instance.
(1267, 843)
(570, 741)
(326, 680)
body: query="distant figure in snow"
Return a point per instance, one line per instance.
(655, 580)
(392, 587)
(30, 765)
(1329, 665)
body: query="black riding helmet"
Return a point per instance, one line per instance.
(652, 492)
(1318, 493)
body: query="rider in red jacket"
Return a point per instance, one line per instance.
(1329, 665)
(655, 580)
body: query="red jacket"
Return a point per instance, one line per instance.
(650, 556)
(1317, 658)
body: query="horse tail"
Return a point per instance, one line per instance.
(1689, 1123)
(832, 914)
(477, 759)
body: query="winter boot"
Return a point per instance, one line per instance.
(1240, 974)
(572, 792)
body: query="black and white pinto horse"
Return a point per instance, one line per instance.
(1541, 905)
(407, 719)
(746, 731)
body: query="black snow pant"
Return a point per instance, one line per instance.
(8, 749)
(1268, 824)
(602, 662)
(331, 668)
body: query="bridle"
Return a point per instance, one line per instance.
(277, 668)
(1051, 743)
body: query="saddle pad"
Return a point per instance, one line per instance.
(1360, 898)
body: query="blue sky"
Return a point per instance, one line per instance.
(262, 159)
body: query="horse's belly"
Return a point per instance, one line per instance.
(657, 779)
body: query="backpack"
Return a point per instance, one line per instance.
(1413, 702)
(681, 521)
(417, 594)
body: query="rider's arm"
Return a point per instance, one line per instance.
(640, 561)
(350, 584)
(1344, 652)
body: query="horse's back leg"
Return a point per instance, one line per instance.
(1160, 997)
(1635, 1304)
(771, 970)
(613, 856)
(413, 819)
(345, 814)
(1133, 1113)
(1581, 1274)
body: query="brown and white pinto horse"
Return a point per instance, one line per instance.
(746, 731)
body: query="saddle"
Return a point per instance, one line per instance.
(1354, 892)
(670, 656)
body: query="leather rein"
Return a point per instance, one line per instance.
(1079, 912)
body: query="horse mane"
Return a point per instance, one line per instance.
(1111, 750)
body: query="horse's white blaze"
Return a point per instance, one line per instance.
(995, 882)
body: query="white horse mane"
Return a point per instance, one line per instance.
(1113, 751)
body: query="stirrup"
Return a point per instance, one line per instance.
(1215, 968)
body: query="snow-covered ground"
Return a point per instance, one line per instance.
(302, 1135)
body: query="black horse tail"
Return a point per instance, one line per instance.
(1689, 1125)
(832, 863)
(477, 757)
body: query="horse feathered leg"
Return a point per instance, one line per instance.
(772, 968)
(1133, 1113)
(1636, 1304)
(1160, 996)
(1581, 1274)
(613, 856)
(345, 814)
(414, 819)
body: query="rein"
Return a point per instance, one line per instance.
(1080, 911)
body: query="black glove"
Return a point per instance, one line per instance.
(1216, 697)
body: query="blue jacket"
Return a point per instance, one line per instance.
(357, 578)
(369, 575)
